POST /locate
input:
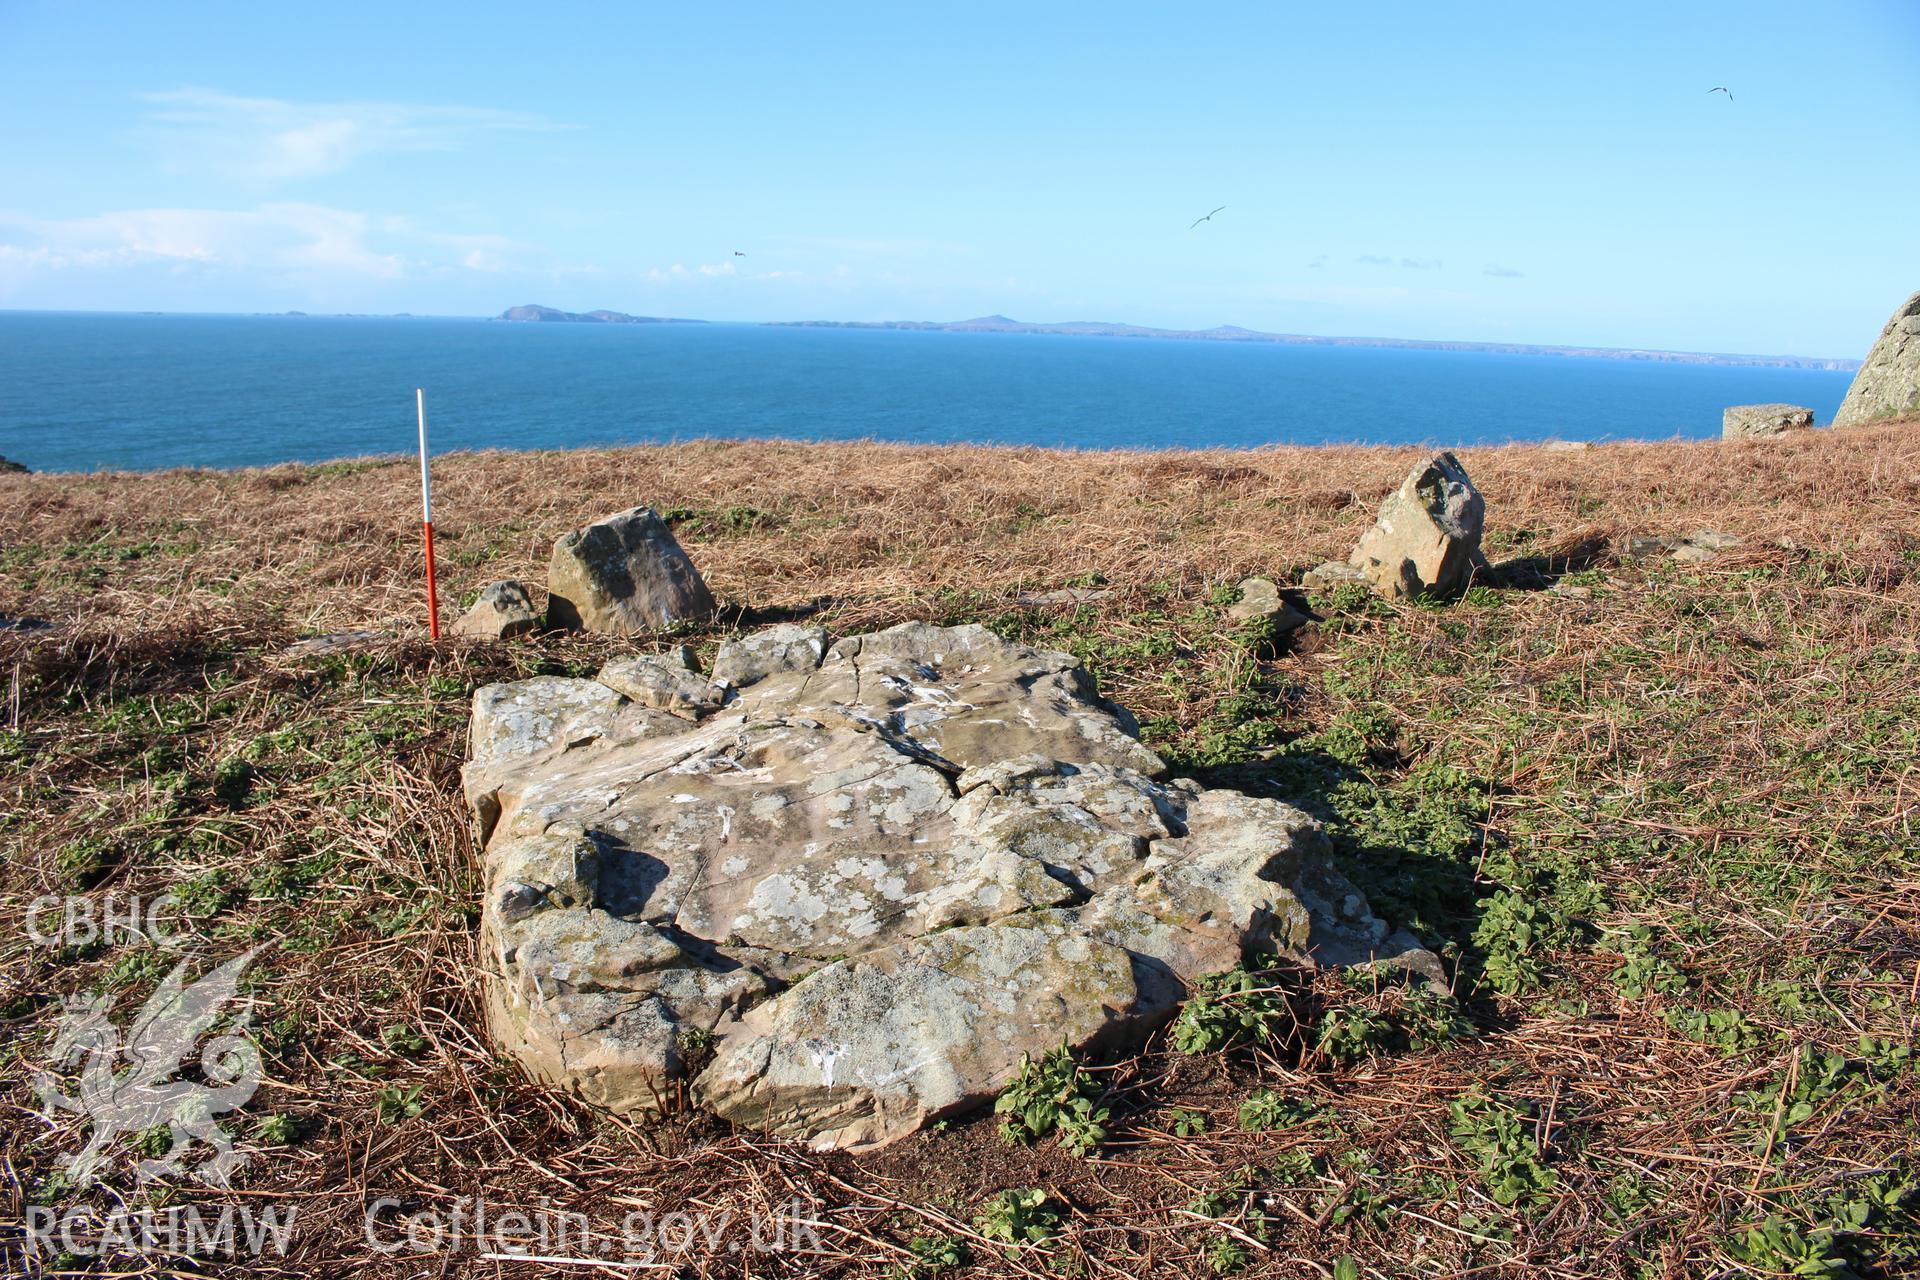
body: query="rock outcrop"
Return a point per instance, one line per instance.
(8, 467)
(1703, 545)
(1764, 421)
(1694, 548)
(1888, 384)
(1427, 537)
(843, 892)
(624, 575)
(502, 611)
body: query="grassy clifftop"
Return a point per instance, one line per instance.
(1660, 814)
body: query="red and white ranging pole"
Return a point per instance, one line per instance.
(426, 516)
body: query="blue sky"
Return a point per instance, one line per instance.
(1535, 172)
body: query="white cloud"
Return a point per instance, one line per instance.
(711, 270)
(271, 239)
(270, 140)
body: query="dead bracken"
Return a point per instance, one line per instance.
(1654, 813)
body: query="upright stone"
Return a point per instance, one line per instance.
(1427, 537)
(624, 575)
(1764, 421)
(1888, 384)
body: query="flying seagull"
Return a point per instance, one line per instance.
(738, 254)
(1720, 88)
(1208, 218)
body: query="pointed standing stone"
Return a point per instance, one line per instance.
(1427, 538)
(624, 575)
(1888, 384)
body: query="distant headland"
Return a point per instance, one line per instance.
(532, 313)
(1220, 333)
(1234, 333)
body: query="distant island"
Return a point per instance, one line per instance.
(532, 313)
(1234, 333)
(1221, 333)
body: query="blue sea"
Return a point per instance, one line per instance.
(80, 392)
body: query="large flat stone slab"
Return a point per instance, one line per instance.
(844, 889)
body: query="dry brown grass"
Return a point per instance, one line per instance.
(1699, 750)
(337, 547)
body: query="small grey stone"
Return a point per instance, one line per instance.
(1332, 574)
(1260, 599)
(502, 611)
(1764, 421)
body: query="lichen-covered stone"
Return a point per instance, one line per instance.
(1427, 536)
(1888, 383)
(874, 1046)
(870, 887)
(1764, 421)
(624, 575)
(1260, 601)
(502, 611)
